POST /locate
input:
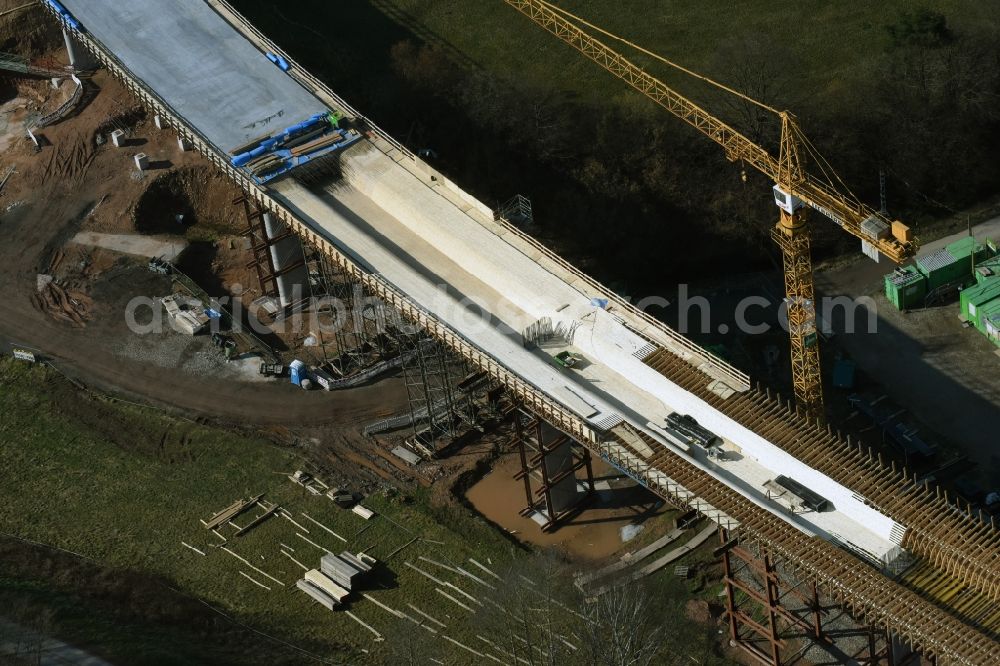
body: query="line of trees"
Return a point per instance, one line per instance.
(634, 196)
(619, 181)
(537, 617)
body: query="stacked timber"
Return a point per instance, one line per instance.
(265, 164)
(305, 138)
(357, 562)
(338, 574)
(317, 144)
(323, 582)
(230, 512)
(250, 145)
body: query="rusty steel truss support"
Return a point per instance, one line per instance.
(440, 410)
(773, 619)
(260, 245)
(353, 329)
(552, 459)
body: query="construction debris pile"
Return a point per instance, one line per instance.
(339, 496)
(187, 314)
(68, 305)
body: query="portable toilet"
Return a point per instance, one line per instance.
(843, 373)
(297, 372)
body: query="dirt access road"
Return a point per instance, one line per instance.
(72, 184)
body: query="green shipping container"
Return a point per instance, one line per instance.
(963, 248)
(953, 263)
(941, 267)
(906, 288)
(974, 299)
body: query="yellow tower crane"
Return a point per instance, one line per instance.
(795, 191)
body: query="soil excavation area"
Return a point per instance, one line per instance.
(67, 300)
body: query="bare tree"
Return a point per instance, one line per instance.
(760, 69)
(411, 644)
(530, 619)
(623, 629)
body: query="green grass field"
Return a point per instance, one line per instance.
(820, 44)
(128, 502)
(123, 485)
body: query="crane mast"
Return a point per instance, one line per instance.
(795, 192)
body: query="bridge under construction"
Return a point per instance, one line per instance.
(899, 555)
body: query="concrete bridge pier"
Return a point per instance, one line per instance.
(550, 460)
(288, 261)
(278, 256)
(79, 58)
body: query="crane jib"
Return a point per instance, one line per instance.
(828, 213)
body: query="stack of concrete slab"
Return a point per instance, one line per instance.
(342, 498)
(345, 569)
(338, 575)
(360, 561)
(364, 512)
(317, 594)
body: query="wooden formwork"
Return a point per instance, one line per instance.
(953, 545)
(962, 548)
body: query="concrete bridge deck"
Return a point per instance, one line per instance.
(217, 80)
(405, 234)
(490, 292)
